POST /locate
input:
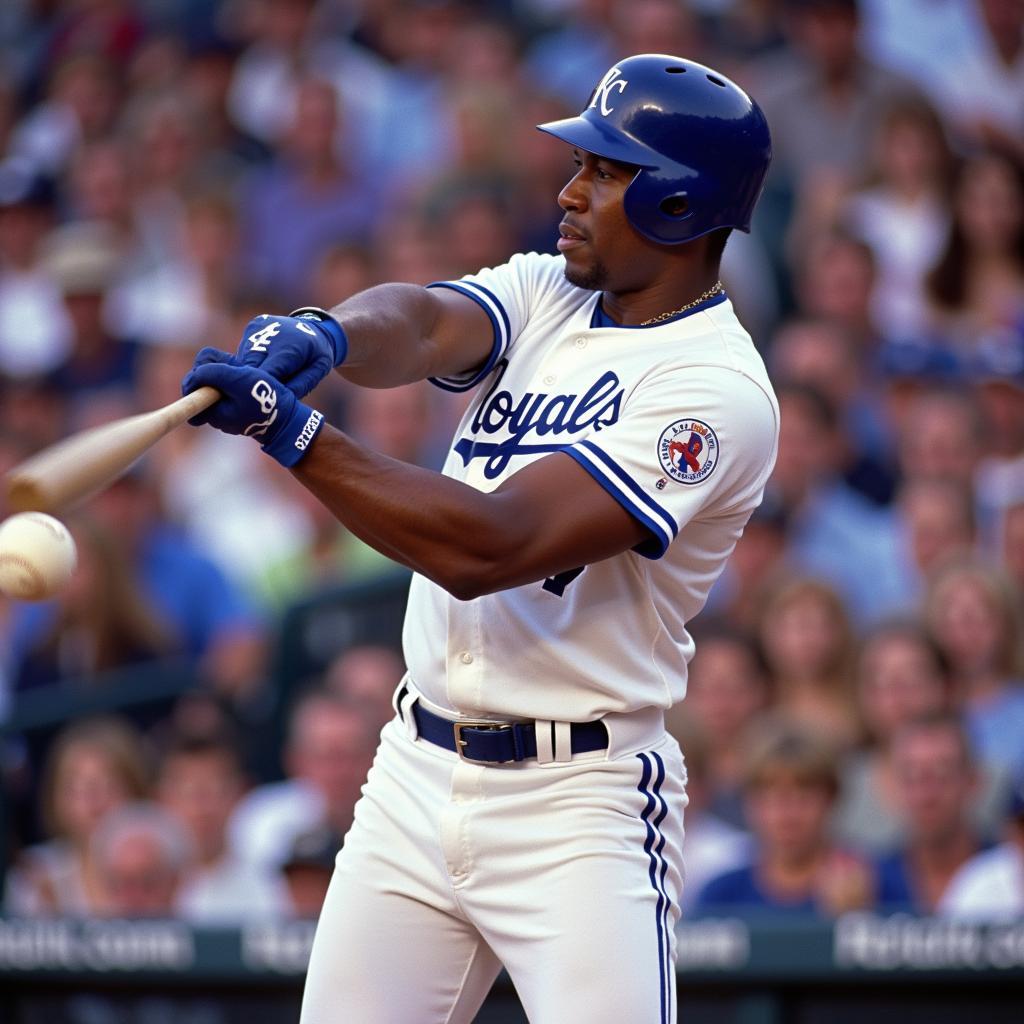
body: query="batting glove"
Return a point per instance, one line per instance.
(254, 404)
(299, 350)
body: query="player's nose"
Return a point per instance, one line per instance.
(573, 196)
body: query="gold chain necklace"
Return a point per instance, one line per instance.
(714, 290)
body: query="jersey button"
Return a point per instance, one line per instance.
(466, 658)
(581, 342)
(549, 379)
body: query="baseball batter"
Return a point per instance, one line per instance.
(525, 807)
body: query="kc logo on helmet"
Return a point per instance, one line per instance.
(609, 82)
(688, 451)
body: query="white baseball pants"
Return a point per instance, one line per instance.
(568, 874)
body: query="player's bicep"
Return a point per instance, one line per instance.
(464, 336)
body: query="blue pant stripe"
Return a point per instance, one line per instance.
(652, 837)
(659, 850)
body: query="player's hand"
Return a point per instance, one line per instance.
(253, 404)
(298, 350)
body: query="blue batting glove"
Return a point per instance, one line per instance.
(299, 350)
(253, 404)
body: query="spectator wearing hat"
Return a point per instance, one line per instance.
(990, 886)
(307, 870)
(84, 260)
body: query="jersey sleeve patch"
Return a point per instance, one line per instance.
(628, 493)
(688, 451)
(489, 303)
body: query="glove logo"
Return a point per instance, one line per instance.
(688, 451)
(259, 340)
(609, 82)
(266, 396)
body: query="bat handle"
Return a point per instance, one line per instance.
(189, 405)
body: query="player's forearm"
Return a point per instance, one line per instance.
(442, 528)
(388, 329)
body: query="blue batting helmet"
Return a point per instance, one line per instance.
(700, 142)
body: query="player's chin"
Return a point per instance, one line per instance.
(588, 274)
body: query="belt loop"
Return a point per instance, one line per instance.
(563, 742)
(545, 741)
(405, 702)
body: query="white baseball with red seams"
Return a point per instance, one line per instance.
(37, 556)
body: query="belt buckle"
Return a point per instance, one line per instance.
(481, 723)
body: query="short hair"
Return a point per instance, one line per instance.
(116, 740)
(781, 749)
(203, 744)
(150, 820)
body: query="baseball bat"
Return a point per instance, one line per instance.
(69, 471)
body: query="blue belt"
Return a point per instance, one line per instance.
(485, 742)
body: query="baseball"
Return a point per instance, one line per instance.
(37, 556)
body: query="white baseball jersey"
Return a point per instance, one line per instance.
(677, 422)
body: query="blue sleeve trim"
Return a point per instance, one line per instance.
(660, 539)
(626, 480)
(464, 383)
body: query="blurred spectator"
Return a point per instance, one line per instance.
(85, 261)
(901, 676)
(321, 198)
(977, 283)
(791, 783)
(367, 676)
(142, 854)
(990, 886)
(974, 616)
(835, 280)
(1011, 543)
(822, 355)
(981, 38)
(569, 61)
(936, 781)
(34, 334)
(757, 560)
(327, 755)
(937, 515)
(902, 214)
(102, 620)
(307, 870)
(823, 99)
(726, 690)
(997, 371)
(200, 782)
(188, 296)
(807, 642)
(923, 434)
(80, 107)
(93, 767)
(713, 846)
(834, 532)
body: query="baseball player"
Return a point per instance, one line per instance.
(525, 807)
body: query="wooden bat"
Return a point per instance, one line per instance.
(70, 470)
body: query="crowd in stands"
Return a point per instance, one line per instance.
(854, 724)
